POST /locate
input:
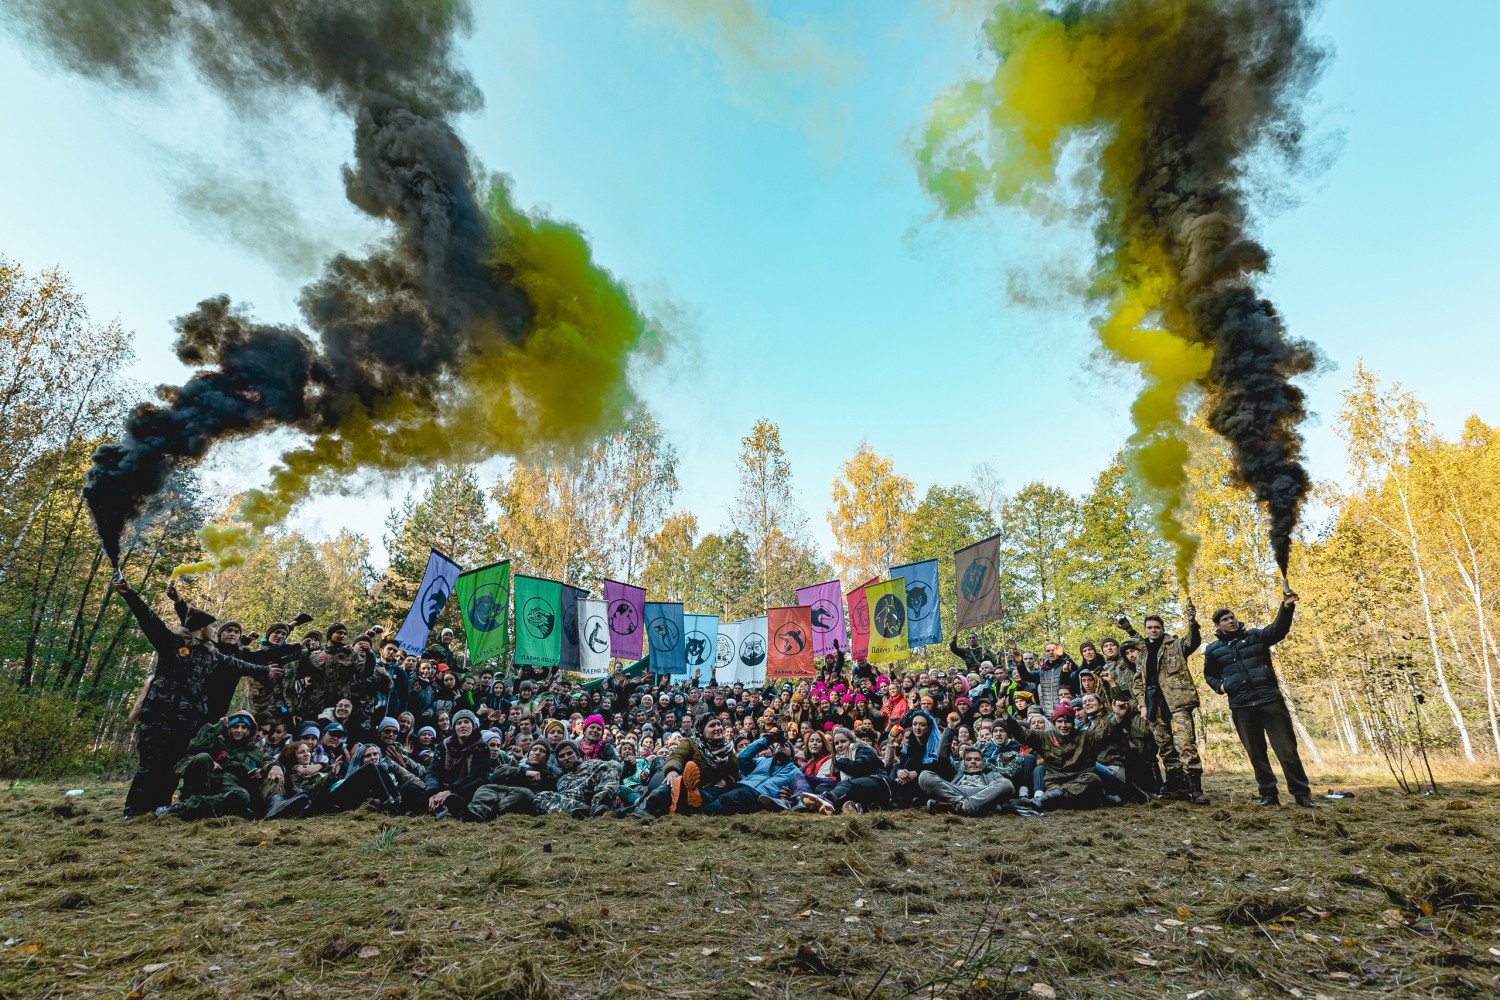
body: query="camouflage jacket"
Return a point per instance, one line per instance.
(237, 760)
(1172, 677)
(189, 673)
(1065, 756)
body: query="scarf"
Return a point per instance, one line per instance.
(814, 765)
(717, 756)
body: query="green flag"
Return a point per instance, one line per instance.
(484, 599)
(539, 625)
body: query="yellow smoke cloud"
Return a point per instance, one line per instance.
(1003, 136)
(558, 387)
(225, 546)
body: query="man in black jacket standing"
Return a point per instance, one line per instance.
(1238, 663)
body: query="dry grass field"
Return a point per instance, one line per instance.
(1379, 894)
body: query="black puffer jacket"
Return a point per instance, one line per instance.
(1239, 664)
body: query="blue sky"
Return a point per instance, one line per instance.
(774, 219)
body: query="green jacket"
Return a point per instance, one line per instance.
(1065, 757)
(238, 761)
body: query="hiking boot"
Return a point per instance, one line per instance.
(1195, 790)
(1307, 803)
(1021, 807)
(1049, 799)
(774, 803)
(1269, 800)
(175, 809)
(1113, 800)
(817, 803)
(685, 794)
(286, 805)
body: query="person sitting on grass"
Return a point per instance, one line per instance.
(302, 778)
(817, 764)
(770, 779)
(373, 780)
(699, 768)
(863, 780)
(462, 766)
(976, 789)
(222, 772)
(918, 752)
(1069, 757)
(513, 786)
(584, 787)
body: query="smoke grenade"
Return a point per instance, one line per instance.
(1175, 97)
(473, 329)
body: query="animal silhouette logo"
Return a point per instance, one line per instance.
(696, 647)
(918, 601)
(593, 635)
(539, 618)
(753, 650)
(623, 619)
(665, 634)
(825, 616)
(487, 608)
(890, 616)
(978, 580)
(723, 652)
(790, 639)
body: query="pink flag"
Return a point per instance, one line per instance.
(859, 620)
(826, 600)
(625, 612)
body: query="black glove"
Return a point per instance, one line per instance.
(303, 618)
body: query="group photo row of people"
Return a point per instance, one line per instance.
(299, 719)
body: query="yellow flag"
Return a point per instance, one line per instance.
(888, 640)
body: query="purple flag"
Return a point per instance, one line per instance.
(827, 603)
(625, 612)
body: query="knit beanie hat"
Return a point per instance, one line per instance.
(428, 730)
(248, 718)
(309, 729)
(1063, 711)
(388, 723)
(466, 714)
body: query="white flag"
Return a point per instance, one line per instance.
(743, 645)
(593, 639)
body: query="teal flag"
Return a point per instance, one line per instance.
(484, 599)
(539, 621)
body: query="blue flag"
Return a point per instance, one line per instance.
(664, 632)
(436, 588)
(924, 625)
(700, 643)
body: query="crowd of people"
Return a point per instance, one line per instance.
(338, 720)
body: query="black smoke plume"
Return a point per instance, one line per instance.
(412, 346)
(1176, 97)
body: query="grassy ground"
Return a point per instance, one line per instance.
(1376, 894)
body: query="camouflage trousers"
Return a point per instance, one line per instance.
(1177, 742)
(206, 792)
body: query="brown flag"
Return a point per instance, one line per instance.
(978, 579)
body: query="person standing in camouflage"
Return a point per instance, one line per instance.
(1169, 702)
(190, 668)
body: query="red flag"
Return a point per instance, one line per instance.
(790, 633)
(859, 620)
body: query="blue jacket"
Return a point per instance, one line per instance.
(765, 776)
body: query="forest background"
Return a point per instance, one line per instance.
(1395, 566)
